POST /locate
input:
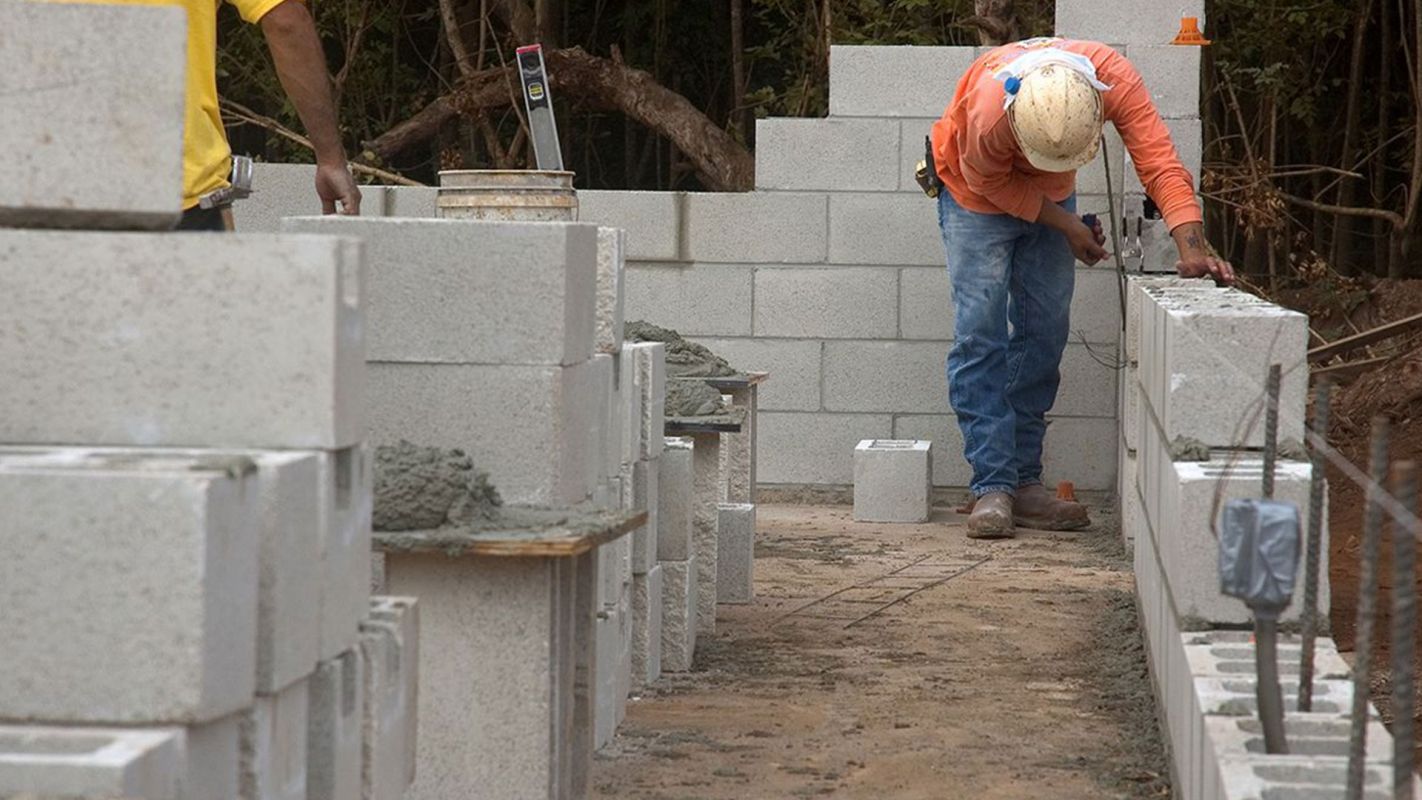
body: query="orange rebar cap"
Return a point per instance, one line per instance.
(1066, 490)
(1190, 33)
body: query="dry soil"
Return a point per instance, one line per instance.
(905, 661)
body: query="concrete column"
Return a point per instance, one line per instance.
(739, 456)
(706, 480)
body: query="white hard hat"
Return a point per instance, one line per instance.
(1057, 117)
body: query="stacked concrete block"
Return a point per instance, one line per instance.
(895, 81)
(827, 154)
(335, 728)
(274, 739)
(74, 98)
(91, 762)
(647, 609)
(679, 614)
(705, 520)
(346, 495)
(652, 220)
(893, 480)
(611, 266)
(735, 553)
(1131, 22)
(389, 651)
(676, 554)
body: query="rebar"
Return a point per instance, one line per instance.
(1266, 691)
(1404, 629)
(1367, 607)
(1271, 429)
(1322, 397)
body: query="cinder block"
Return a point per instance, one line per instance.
(652, 220)
(444, 290)
(925, 304)
(793, 364)
(1143, 21)
(735, 553)
(949, 466)
(873, 229)
(229, 341)
(1130, 500)
(614, 570)
(214, 759)
(1096, 311)
(646, 490)
(1188, 136)
(912, 149)
(651, 381)
(1091, 178)
(695, 299)
(334, 728)
(1229, 655)
(815, 448)
(647, 627)
(1172, 76)
(876, 81)
(150, 561)
(631, 408)
(282, 190)
(1081, 450)
(1317, 735)
(624, 655)
(389, 648)
(346, 498)
(1130, 407)
(48, 761)
(755, 227)
(531, 427)
(798, 154)
(675, 500)
(274, 738)
(1292, 777)
(706, 490)
(86, 85)
(409, 201)
(605, 452)
(832, 303)
(609, 651)
(1236, 697)
(892, 480)
(611, 263)
(679, 602)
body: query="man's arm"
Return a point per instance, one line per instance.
(301, 65)
(1196, 258)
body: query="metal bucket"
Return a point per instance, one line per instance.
(507, 195)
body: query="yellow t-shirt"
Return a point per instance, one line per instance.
(207, 158)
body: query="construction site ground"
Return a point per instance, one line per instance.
(906, 661)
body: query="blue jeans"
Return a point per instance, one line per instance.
(1012, 285)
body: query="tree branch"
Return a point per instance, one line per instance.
(241, 112)
(1392, 217)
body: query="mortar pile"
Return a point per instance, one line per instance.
(686, 361)
(424, 488)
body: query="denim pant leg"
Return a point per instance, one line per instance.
(980, 250)
(1042, 282)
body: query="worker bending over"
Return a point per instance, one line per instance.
(1023, 119)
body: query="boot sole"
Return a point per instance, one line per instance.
(1007, 532)
(1038, 524)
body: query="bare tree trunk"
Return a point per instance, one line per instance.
(1343, 225)
(740, 115)
(1414, 192)
(996, 21)
(547, 15)
(1382, 250)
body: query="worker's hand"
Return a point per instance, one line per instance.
(1086, 243)
(335, 185)
(1206, 266)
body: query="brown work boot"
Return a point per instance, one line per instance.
(1036, 508)
(991, 517)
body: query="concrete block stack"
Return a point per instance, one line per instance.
(676, 556)
(892, 480)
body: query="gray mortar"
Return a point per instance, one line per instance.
(692, 398)
(1185, 448)
(685, 359)
(423, 488)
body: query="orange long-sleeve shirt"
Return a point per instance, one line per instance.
(979, 160)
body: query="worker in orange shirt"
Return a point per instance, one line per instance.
(1023, 119)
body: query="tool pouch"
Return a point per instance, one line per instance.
(926, 172)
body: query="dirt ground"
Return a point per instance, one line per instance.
(905, 661)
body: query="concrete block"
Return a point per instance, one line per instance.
(614, 570)
(440, 290)
(335, 733)
(646, 490)
(289, 564)
(651, 371)
(1235, 697)
(949, 467)
(401, 615)
(1291, 777)
(1091, 178)
(278, 191)
(346, 498)
(815, 448)
(214, 759)
(679, 603)
(1130, 407)
(652, 220)
(675, 501)
(735, 553)
(624, 655)
(925, 304)
(1172, 76)
(912, 149)
(1317, 735)
(1135, 21)
(50, 761)
(78, 84)
(833, 303)
(794, 367)
(1081, 450)
(614, 434)
(706, 497)
(1096, 310)
(389, 650)
(755, 227)
(873, 229)
(410, 201)
(875, 81)
(274, 739)
(1188, 136)
(150, 561)
(695, 299)
(609, 650)
(611, 263)
(892, 480)
(605, 454)
(278, 316)
(647, 605)
(800, 154)
(631, 407)
(1131, 510)
(1217, 349)
(1189, 545)
(1229, 655)
(497, 670)
(531, 427)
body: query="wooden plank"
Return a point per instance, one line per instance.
(518, 532)
(1349, 366)
(1350, 343)
(739, 381)
(729, 421)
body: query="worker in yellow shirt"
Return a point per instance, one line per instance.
(300, 64)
